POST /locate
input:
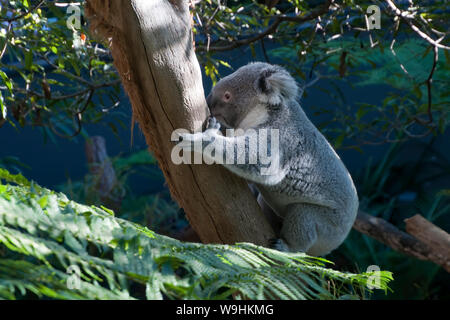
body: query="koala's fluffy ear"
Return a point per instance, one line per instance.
(275, 82)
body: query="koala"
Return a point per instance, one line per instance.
(311, 190)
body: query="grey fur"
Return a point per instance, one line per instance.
(313, 192)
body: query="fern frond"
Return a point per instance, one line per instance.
(44, 234)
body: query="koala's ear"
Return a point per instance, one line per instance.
(262, 83)
(277, 81)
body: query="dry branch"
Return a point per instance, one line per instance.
(386, 233)
(436, 238)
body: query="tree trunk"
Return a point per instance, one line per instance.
(151, 43)
(102, 171)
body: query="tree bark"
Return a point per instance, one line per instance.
(434, 237)
(425, 241)
(151, 43)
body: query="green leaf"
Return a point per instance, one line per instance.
(108, 210)
(75, 67)
(339, 140)
(28, 59)
(361, 112)
(226, 64)
(6, 81)
(14, 178)
(3, 110)
(43, 201)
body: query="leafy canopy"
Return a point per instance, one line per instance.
(55, 76)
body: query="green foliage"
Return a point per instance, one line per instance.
(340, 49)
(51, 73)
(151, 209)
(12, 164)
(404, 70)
(142, 157)
(54, 247)
(50, 69)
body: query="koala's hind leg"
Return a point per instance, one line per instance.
(274, 220)
(306, 228)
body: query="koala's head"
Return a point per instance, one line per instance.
(246, 97)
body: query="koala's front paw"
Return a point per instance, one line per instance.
(213, 124)
(278, 244)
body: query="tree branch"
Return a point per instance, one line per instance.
(407, 18)
(436, 238)
(400, 241)
(271, 29)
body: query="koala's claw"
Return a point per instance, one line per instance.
(213, 123)
(278, 244)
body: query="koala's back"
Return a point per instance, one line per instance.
(314, 173)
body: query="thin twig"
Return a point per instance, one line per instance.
(270, 29)
(64, 72)
(398, 60)
(70, 95)
(78, 118)
(429, 81)
(88, 99)
(408, 19)
(208, 22)
(8, 29)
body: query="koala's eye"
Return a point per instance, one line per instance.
(227, 96)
